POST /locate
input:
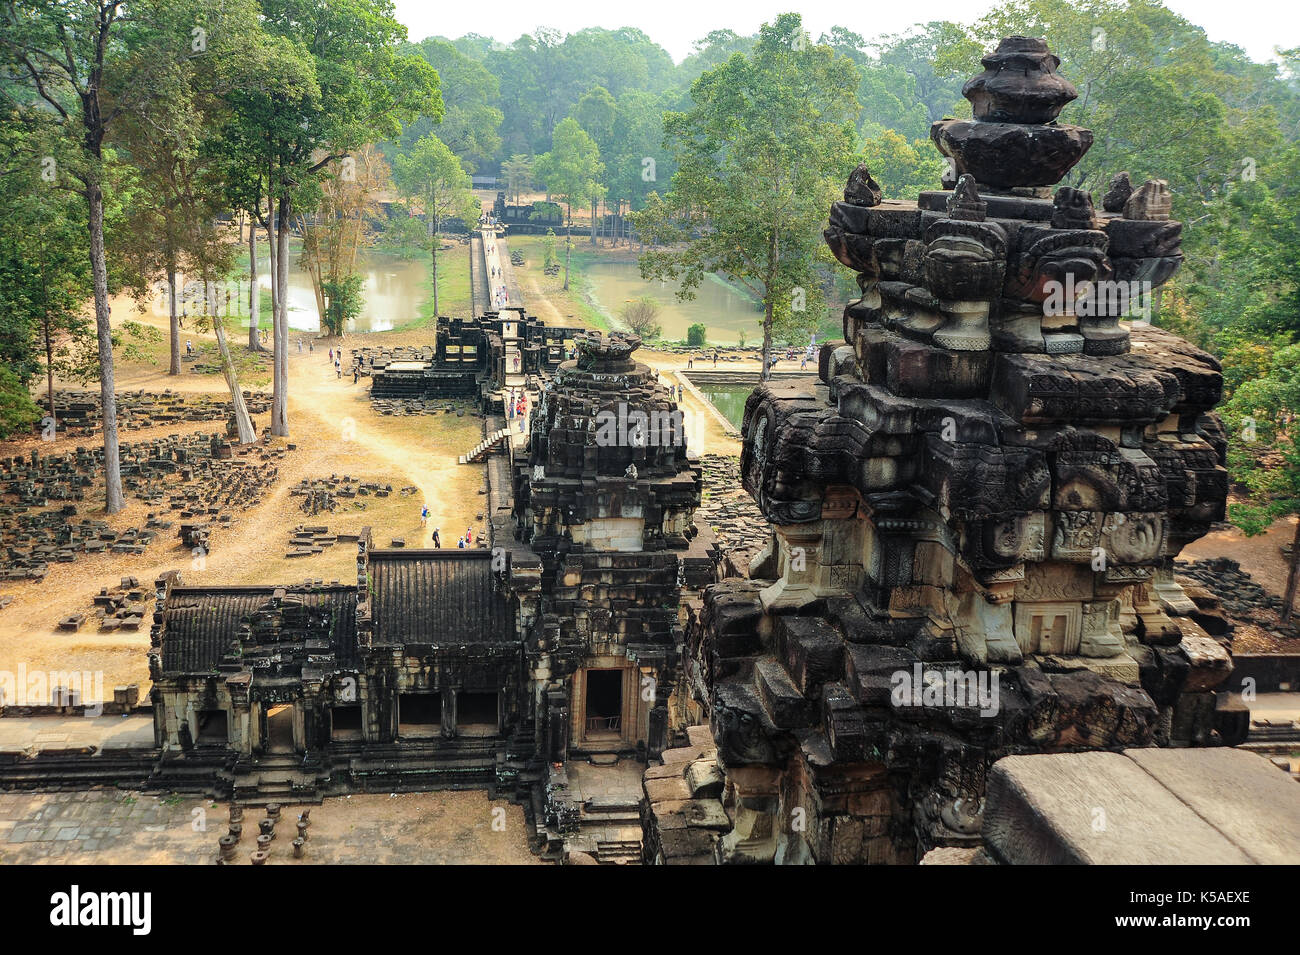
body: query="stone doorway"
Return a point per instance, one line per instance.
(603, 705)
(279, 729)
(214, 728)
(477, 714)
(1049, 627)
(419, 715)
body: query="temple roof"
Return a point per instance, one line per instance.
(202, 625)
(436, 597)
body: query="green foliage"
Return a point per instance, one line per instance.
(18, 413)
(1262, 419)
(471, 120)
(429, 173)
(762, 152)
(343, 302)
(640, 314)
(696, 335)
(572, 168)
(903, 169)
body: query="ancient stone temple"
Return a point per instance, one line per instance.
(975, 507)
(604, 503)
(470, 668)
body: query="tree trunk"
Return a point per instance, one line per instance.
(273, 256)
(49, 372)
(174, 320)
(593, 221)
(568, 245)
(1288, 602)
(113, 499)
(433, 247)
(280, 326)
(254, 293)
(767, 308)
(243, 423)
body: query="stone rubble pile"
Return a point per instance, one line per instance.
(313, 539)
(1237, 591)
(329, 494)
(196, 475)
(416, 406)
(80, 413)
(736, 520)
(123, 607)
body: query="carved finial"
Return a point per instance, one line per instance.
(965, 202)
(1072, 209)
(1121, 187)
(862, 190)
(1152, 201)
(1019, 84)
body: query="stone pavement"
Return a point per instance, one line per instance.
(115, 827)
(33, 734)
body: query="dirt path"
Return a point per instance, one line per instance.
(333, 430)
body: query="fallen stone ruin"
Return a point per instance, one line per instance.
(329, 494)
(199, 477)
(309, 539)
(123, 607)
(79, 413)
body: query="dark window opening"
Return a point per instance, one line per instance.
(604, 709)
(214, 728)
(346, 722)
(476, 711)
(419, 714)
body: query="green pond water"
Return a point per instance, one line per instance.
(393, 291)
(729, 399)
(723, 308)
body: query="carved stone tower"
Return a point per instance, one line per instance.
(983, 489)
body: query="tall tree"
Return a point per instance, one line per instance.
(431, 176)
(471, 120)
(44, 276)
(358, 87)
(761, 154)
(336, 228)
(79, 66)
(572, 171)
(518, 174)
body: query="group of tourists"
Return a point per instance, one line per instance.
(467, 540)
(516, 407)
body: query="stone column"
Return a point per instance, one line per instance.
(449, 713)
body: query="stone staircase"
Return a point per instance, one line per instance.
(485, 447)
(281, 778)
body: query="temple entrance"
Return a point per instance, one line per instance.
(345, 722)
(603, 706)
(214, 728)
(419, 714)
(279, 729)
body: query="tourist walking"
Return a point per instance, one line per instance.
(189, 347)
(469, 536)
(338, 369)
(311, 346)
(356, 374)
(424, 516)
(715, 358)
(300, 346)
(461, 543)
(437, 541)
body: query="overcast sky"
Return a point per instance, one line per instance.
(1254, 25)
